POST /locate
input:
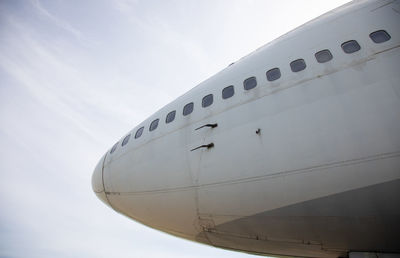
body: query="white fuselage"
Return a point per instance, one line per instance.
(304, 165)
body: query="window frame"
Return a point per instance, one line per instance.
(168, 115)
(205, 105)
(139, 132)
(272, 70)
(323, 51)
(154, 123)
(249, 79)
(294, 69)
(379, 31)
(114, 147)
(226, 88)
(347, 42)
(125, 140)
(188, 105)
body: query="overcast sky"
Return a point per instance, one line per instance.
(75, 76)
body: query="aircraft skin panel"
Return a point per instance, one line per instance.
(125, 177)
(307, 165)
(300, 122)
(336, 130)
(327, 226)
(173, 212)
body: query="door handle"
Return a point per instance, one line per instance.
(208, 146)
(207, 125)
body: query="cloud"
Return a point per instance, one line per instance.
(72, 84)
(55, 20)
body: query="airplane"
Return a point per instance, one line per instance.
(292, 151)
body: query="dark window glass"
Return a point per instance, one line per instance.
(250, 83)
(188, 109)
(379, 36)
(154, 125)
(323, 56)
(126, 139)
(298, 65)
(207, 100)
(350, 46)
(139, 132)
(170, 117)
(273, 74)
(228, 92)
(114, 148)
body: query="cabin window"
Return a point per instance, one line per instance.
(114, 148)
(350, 46)
(323, 56)
(250, 83)
(139, 132)
(228, 92)
(273, 74)
(188, 109)
(298, 65)
(154, 125)
(170, 117)
(126, 139)
(207, 100)
(379, 36)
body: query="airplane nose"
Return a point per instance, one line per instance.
(97, 182)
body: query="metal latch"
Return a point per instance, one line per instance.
(207, 125)
(208, 146)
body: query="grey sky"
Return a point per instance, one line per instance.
(75, 76)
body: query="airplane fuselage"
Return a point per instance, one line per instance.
(293, 150)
